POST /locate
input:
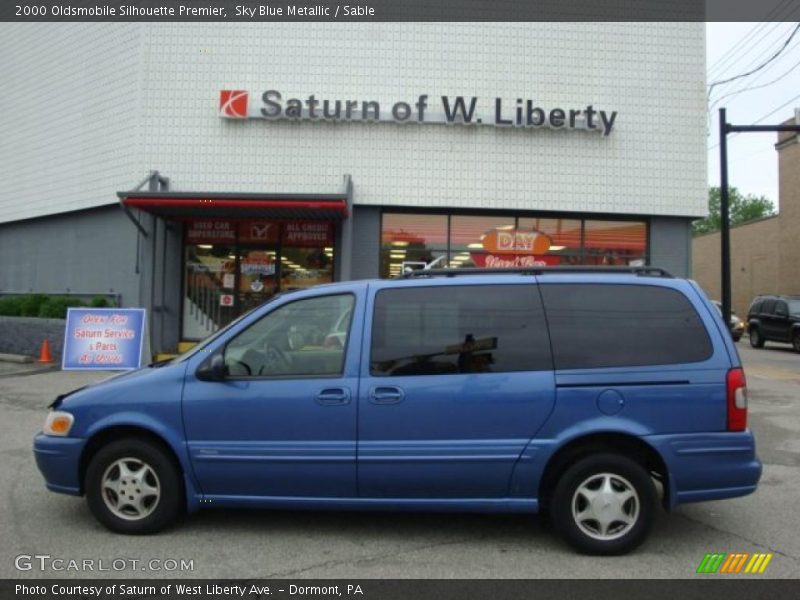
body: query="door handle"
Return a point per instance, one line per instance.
(333, 397)
(386, 395)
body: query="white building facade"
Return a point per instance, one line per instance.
(603, 164)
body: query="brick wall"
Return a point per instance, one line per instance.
(754, 262)
(789, 191)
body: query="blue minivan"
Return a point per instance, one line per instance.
(590, 395)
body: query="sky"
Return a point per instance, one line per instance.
(735, 48)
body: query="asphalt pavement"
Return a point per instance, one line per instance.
(261, 543)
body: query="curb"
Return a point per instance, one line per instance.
(16, 358)
(43, 369)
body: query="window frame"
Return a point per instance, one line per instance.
(533, 287)
(222, 350)
(648, 365)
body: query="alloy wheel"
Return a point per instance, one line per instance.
(130, 489)
(605, 506)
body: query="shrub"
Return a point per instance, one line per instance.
(31, 304)
(44, 306)
(11, 306)
(99, 302)
(56, 308)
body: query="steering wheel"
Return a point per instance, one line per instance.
(244, 365)
(275, 360)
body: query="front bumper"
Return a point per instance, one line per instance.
(58, 459)
(709, 466)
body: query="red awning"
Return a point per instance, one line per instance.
(185, 205)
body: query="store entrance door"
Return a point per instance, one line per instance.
(257, 276)
(231, 267)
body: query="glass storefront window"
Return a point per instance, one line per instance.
(615, 242)
(412, 240)
(509, 241)
(257, 277)
(564, 234)
(467, 234)
(306, 266)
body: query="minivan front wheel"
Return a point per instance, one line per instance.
(133, 487)
(604, 504)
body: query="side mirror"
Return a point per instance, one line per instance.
(213, 369)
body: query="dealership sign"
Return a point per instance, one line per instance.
(453, 110)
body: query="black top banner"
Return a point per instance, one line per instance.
(399, 10)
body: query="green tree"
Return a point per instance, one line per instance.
(742, 209)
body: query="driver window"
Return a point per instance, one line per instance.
(303, 338)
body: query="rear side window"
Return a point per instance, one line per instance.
(768, 307)
(459, 329)
(602, 325)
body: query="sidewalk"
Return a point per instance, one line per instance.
(13, 369)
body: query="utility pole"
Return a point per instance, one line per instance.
(725, 221)
(725, 218)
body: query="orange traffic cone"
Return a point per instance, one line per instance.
(44, 353)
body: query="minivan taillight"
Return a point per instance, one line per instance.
(737, 400)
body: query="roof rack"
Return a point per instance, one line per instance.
(640, 271)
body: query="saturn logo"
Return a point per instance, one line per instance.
(233, 104)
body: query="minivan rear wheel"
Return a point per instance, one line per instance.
(796, 341)
(604, 504)
(133, 487)
(756, 341)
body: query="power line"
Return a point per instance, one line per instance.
(728, 59)
(728, 56)
(758, 68)
(771, 47)
(734, 159)
(755, 87)
(784, 105)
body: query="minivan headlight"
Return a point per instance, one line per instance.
(58, 423)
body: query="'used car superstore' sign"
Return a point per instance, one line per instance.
(456, 110)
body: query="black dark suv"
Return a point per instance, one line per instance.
(774, 319)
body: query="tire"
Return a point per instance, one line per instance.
(796, 341)
(631, 495)
(149, 477)
(756, 341)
